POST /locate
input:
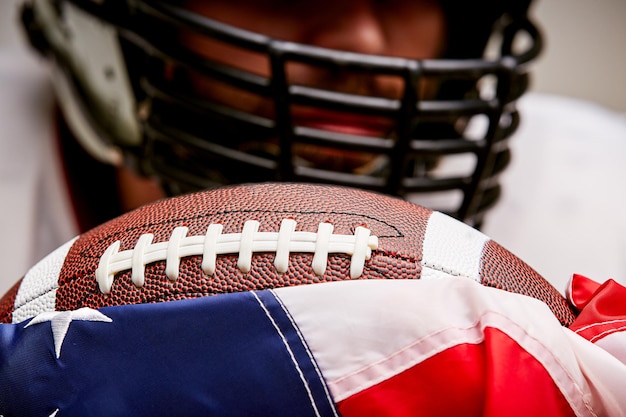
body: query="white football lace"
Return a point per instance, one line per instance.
(287, 240)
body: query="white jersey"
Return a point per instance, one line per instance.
(564, 205)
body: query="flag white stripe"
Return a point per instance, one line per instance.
(389, 326)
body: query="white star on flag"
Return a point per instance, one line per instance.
(60, 322)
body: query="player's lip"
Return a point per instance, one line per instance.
(350, 124)
(330, 157)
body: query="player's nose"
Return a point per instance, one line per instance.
(349, 25)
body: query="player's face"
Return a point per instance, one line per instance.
(401, 28)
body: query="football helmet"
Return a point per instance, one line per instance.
(123, 79)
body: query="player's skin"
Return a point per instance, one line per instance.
(403, 28)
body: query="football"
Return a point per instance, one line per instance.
(265, 236)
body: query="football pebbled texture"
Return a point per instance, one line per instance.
(260, 236)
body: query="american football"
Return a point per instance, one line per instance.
(263, 236)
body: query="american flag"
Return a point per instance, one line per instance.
(400, 348)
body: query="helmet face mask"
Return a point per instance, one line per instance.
(412, 128)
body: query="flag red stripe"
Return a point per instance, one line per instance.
(493, 378)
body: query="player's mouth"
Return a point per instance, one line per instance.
(348, 124)
(351, 124)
